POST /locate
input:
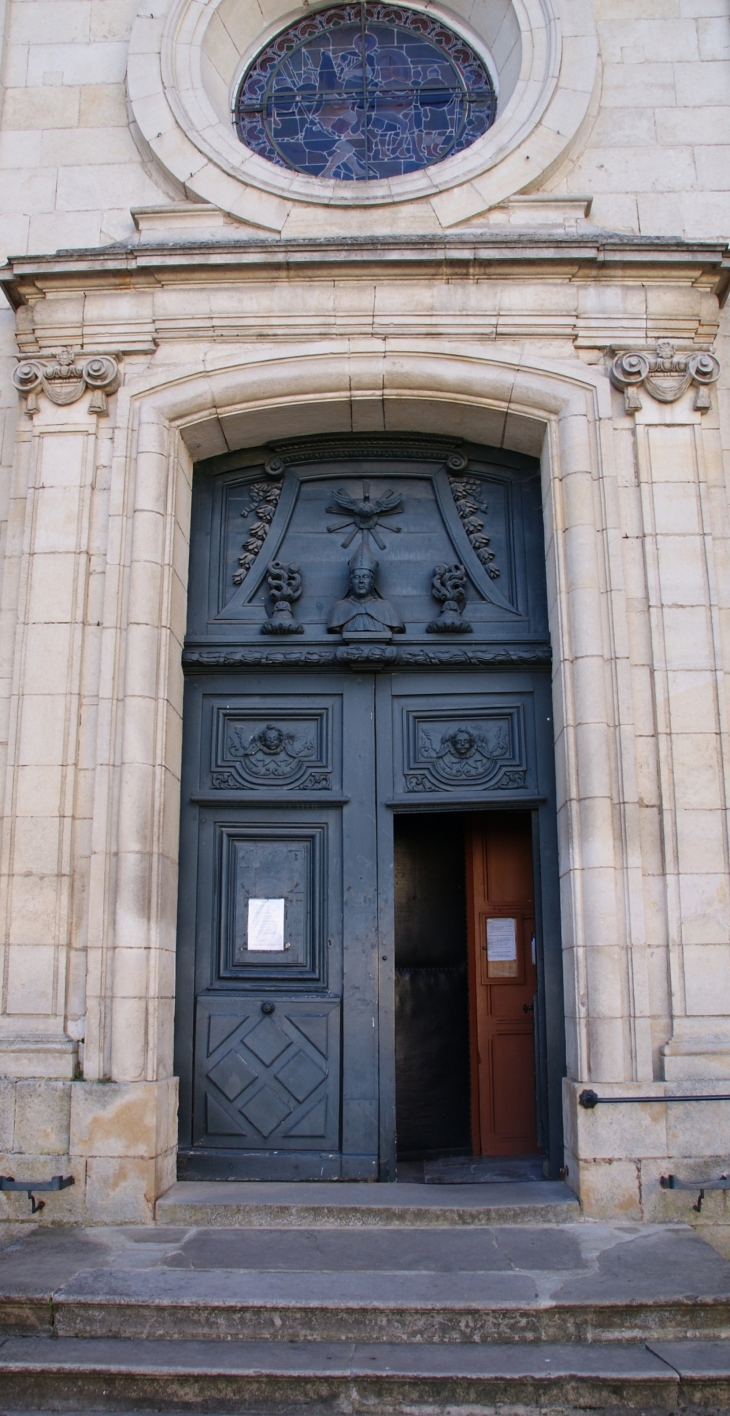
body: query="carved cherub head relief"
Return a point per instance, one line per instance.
(462, 742)
(271, 738)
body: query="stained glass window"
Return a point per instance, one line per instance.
(363, 91)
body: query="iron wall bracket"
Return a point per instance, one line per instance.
(57, 1182)
(671, 1182)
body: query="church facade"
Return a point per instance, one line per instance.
(365, 595)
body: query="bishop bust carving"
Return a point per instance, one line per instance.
(364, 614)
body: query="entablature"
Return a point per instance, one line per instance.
(521, 286)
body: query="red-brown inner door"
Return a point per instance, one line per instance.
(503, 982)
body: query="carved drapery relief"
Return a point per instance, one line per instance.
(264, 499)
(65, 378)
(665, 374)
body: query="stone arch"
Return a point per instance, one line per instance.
(556, 410)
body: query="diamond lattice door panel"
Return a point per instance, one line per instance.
(268, 1074)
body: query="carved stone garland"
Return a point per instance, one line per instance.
(63, 380)
(664, 374)
(245, 656)
(466, 492)
(264, 498)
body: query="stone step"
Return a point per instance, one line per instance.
(516, 1283)
(229, 1203)
(109, 1374)
(317, 1309)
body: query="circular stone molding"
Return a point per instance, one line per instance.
(187, 60)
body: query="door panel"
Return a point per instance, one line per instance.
(504, 982)
(276, 863)
(464, 737)
(268, 1073)
(513, 1087)
(282, 926)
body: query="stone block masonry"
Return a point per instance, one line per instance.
(560, 292)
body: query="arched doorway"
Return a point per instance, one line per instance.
(367, 742)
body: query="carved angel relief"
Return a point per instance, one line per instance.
(272, 755)
(462, 754)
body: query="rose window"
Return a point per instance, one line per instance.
(364, 91)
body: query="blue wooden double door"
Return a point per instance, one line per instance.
(329, 729)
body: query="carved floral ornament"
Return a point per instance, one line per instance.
(65, 378)
(665, 374)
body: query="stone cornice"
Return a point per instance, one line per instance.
(517, 254)
(118, 297)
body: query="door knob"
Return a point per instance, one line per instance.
(528, 1007)
(267, 1007)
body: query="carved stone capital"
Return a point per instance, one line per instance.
(66, 377)
(665, 374)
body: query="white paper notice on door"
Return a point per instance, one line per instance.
(265, 924)
(502, 947)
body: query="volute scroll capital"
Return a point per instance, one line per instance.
(666, 374)
(65, 377)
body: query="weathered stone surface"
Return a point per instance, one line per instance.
(265, 1376)
(200, 1202)
(574, 1283)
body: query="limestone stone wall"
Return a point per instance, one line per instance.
(493, 307)
(652, 151)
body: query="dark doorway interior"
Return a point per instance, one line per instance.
(431, 988)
